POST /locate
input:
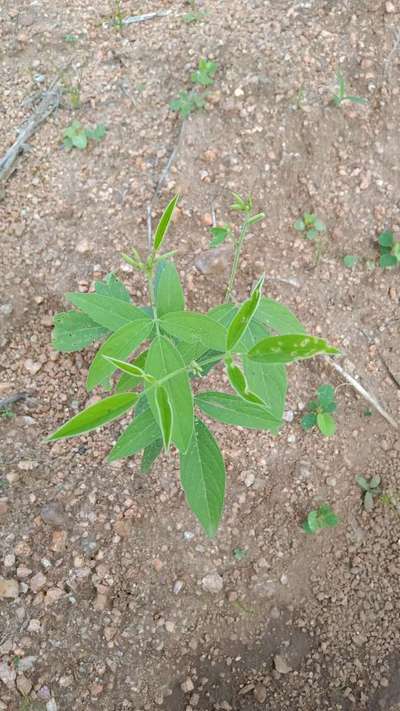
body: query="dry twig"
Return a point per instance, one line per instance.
(133, 19)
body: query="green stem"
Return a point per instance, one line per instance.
(150, 282)
(238, 248)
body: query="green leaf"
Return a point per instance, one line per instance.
(96, 415)
(169, 292)
(268, 381)
(319, 225)
(350, 261)
(309, 421)
(286, 349)
(190, 326)
(118, 346)
(386, 238)
(312, 233)
(203, 478)
(74, 330)
(106, 310)
(80, 140)
(163, 225)
(374, 482)
(356, 99)
(278, 317)
(164, 359)
(387, 260)
(326, 395)
(165, 415)
(150, 454)
(112, 286)
(362, 482)
(232, 410)
(97, 133)
(238, 382)
(326, 424)
(219, 235)
(243, 317)
(255, 218)
(299, 225)
(310, 525)
(129, 381)
(326, 517)
(68, 145)
(141, 433)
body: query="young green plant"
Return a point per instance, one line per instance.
(194, 15)
(319, 411)
(160, 348)
(189, 101)
(389, 250)
(340, 96)
(322, 517)
(76, 136)
(369, 488)
(313, 229)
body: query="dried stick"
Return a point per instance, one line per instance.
(5, 402)
(48, 104)
(362, 391)
(133, 19)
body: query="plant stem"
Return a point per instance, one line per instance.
(150, 282)
(238, 247)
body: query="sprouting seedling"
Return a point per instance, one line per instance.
(350, 260)
(310, 225)
(239, 553)
(319, 411)
(194, 15)
(118, 16)
(189, 101)
(322, 517)
(389, 249)
(204, 74)
(157, 349)
(77, 136)
(369, 489)
(341, 95)
(186, 103)
(73, 90)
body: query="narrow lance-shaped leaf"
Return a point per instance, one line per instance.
(165, 415)
(150, 454)
(233, 410)
(203, 478)
(239, 383)
(169, 292)
(163, 225)
(74, 330)
(130, 368)
(106, 310)
(128, 381)
(286, 349)
(242, 319)
(142, 431)
(120, 345)
(96, 415)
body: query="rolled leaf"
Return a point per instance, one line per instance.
(203, 478)
(163, 225)
(96, 415)
(243, 317)
(239, 383)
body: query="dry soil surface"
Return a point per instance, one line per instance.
(103, 603)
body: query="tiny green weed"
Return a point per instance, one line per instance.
(189, 101)
(71, 38)
(369, 489)
(7, 413)
(77, 136)
(168, 346)
(341, 95)
(322, 517)
(389, 250)
(73, 92)
(319, 411)
(350, 261)
(118, 17)
(239, 553)
(194, 15)
(204, 74)
(186, 103)
(310, 225)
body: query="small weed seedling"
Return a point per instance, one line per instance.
(71, 38)
(310, 225)
(239, 553)
(157, 349)
(369, 488)
(350, 261)
(118, 17)
(186, 103)
(319, 411)
(76, 136)
(389, 250)
(341, 95)
(323, 517)
(194, 15)
(73, 92)
(189, 101)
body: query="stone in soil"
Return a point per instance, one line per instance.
(9, 589)
(212, 583)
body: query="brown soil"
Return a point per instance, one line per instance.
(111, 613)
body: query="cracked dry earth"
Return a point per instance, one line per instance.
(110, 596)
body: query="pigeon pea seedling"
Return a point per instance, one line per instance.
(310, 225)
(319, 411)
(189, 101)
(160, 348)
(76, 136)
